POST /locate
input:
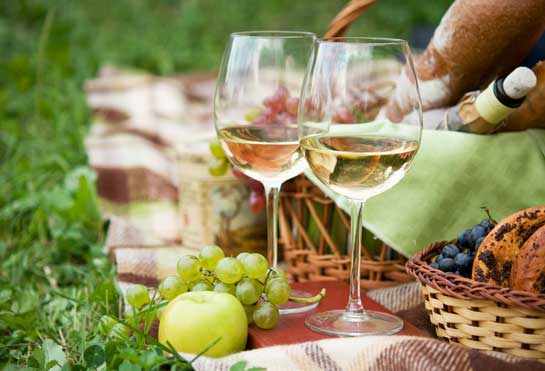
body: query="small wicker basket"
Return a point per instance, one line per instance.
(480, 315)
(323, 256)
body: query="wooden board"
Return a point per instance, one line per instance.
(291, 328)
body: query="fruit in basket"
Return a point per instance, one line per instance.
(458, 257)
(447, 265)
(496, 253)
(194, 320)
(528, 272)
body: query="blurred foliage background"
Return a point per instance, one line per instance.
(50, 228)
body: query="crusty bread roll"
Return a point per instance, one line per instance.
(476, 41)
(494, 258)
(528, 272)
(531, 114)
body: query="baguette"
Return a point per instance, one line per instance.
(476, 41)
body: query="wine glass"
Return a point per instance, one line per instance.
(356, 145)
(255, 112)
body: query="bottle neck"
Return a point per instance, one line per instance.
(503, 97)
(493, 105)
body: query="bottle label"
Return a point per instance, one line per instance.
(490, 108)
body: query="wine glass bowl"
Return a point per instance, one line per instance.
(256, 102)
(357, 146)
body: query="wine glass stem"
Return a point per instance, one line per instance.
(271, 197)
(354, 308)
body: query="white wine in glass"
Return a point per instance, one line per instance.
(268, 153)
(355, 149)
(255, 109)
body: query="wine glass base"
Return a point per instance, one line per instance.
(336, 323)
(294, 308)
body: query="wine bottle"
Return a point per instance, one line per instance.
(483, 112)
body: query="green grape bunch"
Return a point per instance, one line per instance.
(259, 288)
(248, 277)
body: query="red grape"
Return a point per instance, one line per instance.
(277, 102)
(284, 118)
(292, 104)
(343, 116)
(282, 93)
(257, 201)
(254, 184)
(265, 118)
(236, 172)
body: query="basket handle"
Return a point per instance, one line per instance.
(346, 16)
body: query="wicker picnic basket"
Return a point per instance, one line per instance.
(480, 315)
(303, 205)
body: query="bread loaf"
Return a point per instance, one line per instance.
(528, 272)
(496, 254)
(531, 114)
(476, 41)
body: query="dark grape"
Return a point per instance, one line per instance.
(464, 262)
(447, 265)
(478, 243)
(434, 265)
(439, 258)
(477, 232)
(450, 251)
(464, 239)
(487, 225)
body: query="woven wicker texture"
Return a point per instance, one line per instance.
(479, 315)
(325, 257)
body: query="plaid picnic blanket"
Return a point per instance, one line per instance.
(148, 264)
(128, 148)
(395, 353)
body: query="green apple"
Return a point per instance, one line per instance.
(194, 320)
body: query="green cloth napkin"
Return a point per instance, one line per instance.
(452, 176)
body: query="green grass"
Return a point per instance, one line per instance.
(55, 281)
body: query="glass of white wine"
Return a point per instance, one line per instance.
(356, 146)
(255, 113)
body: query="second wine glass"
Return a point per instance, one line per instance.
(357, 146)
(255, 109)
